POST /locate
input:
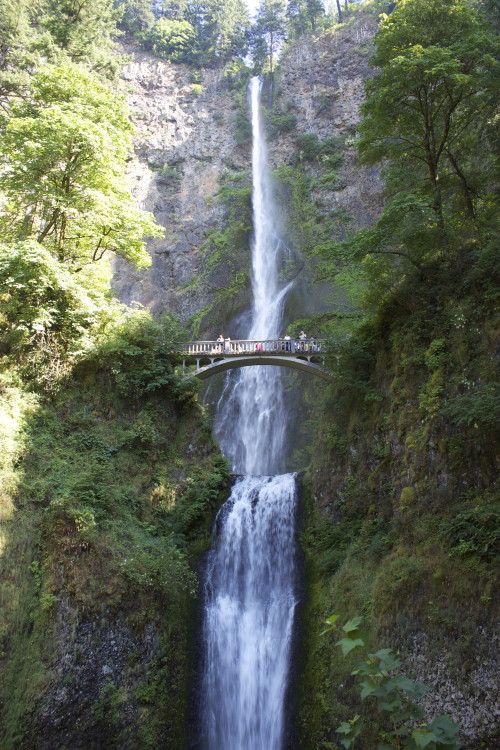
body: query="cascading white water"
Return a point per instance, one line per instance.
(250, 579)
(249, 616)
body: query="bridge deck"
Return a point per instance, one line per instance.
(260, 347)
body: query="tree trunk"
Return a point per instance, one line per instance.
(49, 226)
(465, 185)
(60, 244)
(438, 199)
(339, 10)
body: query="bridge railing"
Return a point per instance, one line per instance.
(280, 346)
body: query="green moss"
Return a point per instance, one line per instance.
(407, 498)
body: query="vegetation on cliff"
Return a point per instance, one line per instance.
(109, 474)
(109, 488)
(403, 479)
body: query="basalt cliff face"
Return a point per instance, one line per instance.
(188, 146)
(186, 140)
(321, 79)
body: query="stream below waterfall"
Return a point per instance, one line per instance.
(250, 579)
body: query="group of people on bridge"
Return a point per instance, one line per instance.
(283, 344)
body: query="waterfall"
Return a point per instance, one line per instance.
(249, 616)
(252, 418)
(250, 576)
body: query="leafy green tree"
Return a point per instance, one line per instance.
(432, 93)
(205, 32)
(16, 54)
(44, 305)
(230, 25)
(173, 39)
(62, 162)
(84, 29)
(137, 16)
(221, 27)
(171, 8)
(428, 121)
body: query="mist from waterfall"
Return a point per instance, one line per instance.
(250, 576)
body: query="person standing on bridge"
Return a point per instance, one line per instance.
(287, 339)
(220, 342)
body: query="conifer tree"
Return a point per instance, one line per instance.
(304, 15)
(137, 16)
(269, 30)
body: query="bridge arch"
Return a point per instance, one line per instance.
(295, 363)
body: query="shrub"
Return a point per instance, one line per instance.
(172, 39)
(480, 408)
(279, 122)
(394, 697)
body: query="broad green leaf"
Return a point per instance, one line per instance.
(423, 737)
(445, 729)
(344, 728)
(349, 644)
(367, 688)
(352, 625)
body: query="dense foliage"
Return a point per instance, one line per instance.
(429, 120)
(66, 205)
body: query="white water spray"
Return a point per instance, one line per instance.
(250, 579)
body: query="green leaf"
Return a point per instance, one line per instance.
(331, 622)
(367, 689)
(349, 644)
(387, 660)
(413, 689)
(344, 728)
(352, 625)
(446, 730)
(351, 730)
(423, 737)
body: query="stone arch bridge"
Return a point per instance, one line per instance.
(212, 357)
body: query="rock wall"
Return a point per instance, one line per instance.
(187, 141)
(321, 80)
